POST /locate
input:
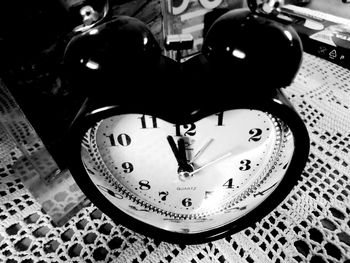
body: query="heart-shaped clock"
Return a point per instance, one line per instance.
(173, 150)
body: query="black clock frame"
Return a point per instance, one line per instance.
(277, 105)
(234, 85)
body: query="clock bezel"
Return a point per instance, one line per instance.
(277, 105)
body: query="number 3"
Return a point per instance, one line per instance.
(245, 165)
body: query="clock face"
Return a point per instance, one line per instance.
(188, 178)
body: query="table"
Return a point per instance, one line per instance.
(311, 225)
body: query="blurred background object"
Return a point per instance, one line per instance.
(193, 17)
(334, 7)
(37, 104)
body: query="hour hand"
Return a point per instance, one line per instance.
(180, 153)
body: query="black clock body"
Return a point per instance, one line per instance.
(246, 61)
(243, 54)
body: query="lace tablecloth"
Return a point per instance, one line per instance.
(311, 225)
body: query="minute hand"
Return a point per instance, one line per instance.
(211, 162)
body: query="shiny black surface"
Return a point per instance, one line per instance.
(260, 49)
(281, 109)
(119, 54)
(246, 59)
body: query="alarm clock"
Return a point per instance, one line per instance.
(187, 152)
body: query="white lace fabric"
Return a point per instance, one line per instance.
(311, 225)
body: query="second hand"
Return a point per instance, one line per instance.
(210, 163)
(201, 150)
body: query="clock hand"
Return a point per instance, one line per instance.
(173, 147)
(237, 150)
(180, 153)
(210, 163)
(201, 150)
(182, 150)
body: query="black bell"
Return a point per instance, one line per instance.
(253, 49)
(116, 58)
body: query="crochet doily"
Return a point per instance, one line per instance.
(311, 225)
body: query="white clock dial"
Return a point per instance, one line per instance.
(188, 178)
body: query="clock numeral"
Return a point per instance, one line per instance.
(110, 192)
(229, 183)
(245, 165)
(144, 185)
(144, 122)
(163, 195)
(220, 118)
(256, 135)
(127, 167)
(187, 202)
(111, 139)
(123, 139)
(190, 129)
